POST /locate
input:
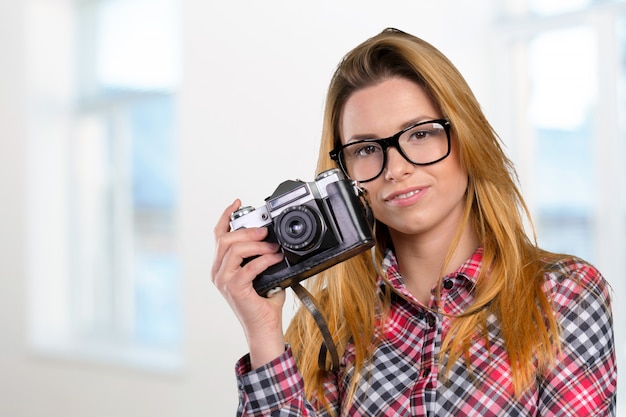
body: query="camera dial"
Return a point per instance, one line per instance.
(240, 212)
(328, 173)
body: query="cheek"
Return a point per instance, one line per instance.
(453, 169)
(455, 179)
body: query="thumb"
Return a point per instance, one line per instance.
(277, 296)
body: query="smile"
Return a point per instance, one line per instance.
(407, 195)
(403, 196)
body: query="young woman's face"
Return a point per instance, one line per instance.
(409, 199)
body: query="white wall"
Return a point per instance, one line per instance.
(255, 75)
(255, 81)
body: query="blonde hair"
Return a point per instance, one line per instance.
(494, 207)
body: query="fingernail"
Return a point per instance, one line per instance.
(273, 292)
(275, 246)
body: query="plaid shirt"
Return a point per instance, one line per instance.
(404, 377)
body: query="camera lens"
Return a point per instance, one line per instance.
(296, 228)
(299, 228)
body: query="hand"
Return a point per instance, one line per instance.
(260, 317)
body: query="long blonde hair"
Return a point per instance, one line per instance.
(494, 207)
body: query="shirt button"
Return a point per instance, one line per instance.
(425, 372)
(448, 284)
(431, 320)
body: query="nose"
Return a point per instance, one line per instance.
(397, 166)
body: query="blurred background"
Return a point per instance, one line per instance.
(127, 126)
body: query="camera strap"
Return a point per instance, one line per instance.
(328, 345)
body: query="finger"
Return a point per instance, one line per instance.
(237, 279)
(237, 246)
(223, 224)
(259, 264)
(259, 256)
(240, 239)
(222, 235)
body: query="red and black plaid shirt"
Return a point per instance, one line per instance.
(404, 377)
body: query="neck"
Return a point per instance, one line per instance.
(422, 259)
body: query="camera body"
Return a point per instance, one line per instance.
(317, 225)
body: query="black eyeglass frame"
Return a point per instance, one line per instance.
(394, 141)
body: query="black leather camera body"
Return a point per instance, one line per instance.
(317, 225)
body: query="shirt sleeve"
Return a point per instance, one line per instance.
(584, 379)
(276, 389)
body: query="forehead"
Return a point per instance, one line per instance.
(383, 109)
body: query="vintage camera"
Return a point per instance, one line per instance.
(317, 225)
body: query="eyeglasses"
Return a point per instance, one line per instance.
(424, 143)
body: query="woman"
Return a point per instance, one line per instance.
(460, 313)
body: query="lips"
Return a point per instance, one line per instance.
(402, 195)
(406, 195)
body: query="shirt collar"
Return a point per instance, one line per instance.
(470, 269)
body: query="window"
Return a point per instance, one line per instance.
(567, 62)
(110, 287)
(563, 61)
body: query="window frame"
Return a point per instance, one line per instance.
(59, 325)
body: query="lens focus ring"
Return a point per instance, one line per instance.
(299, 228)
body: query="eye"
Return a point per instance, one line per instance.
(422, 133)
(364, 150)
